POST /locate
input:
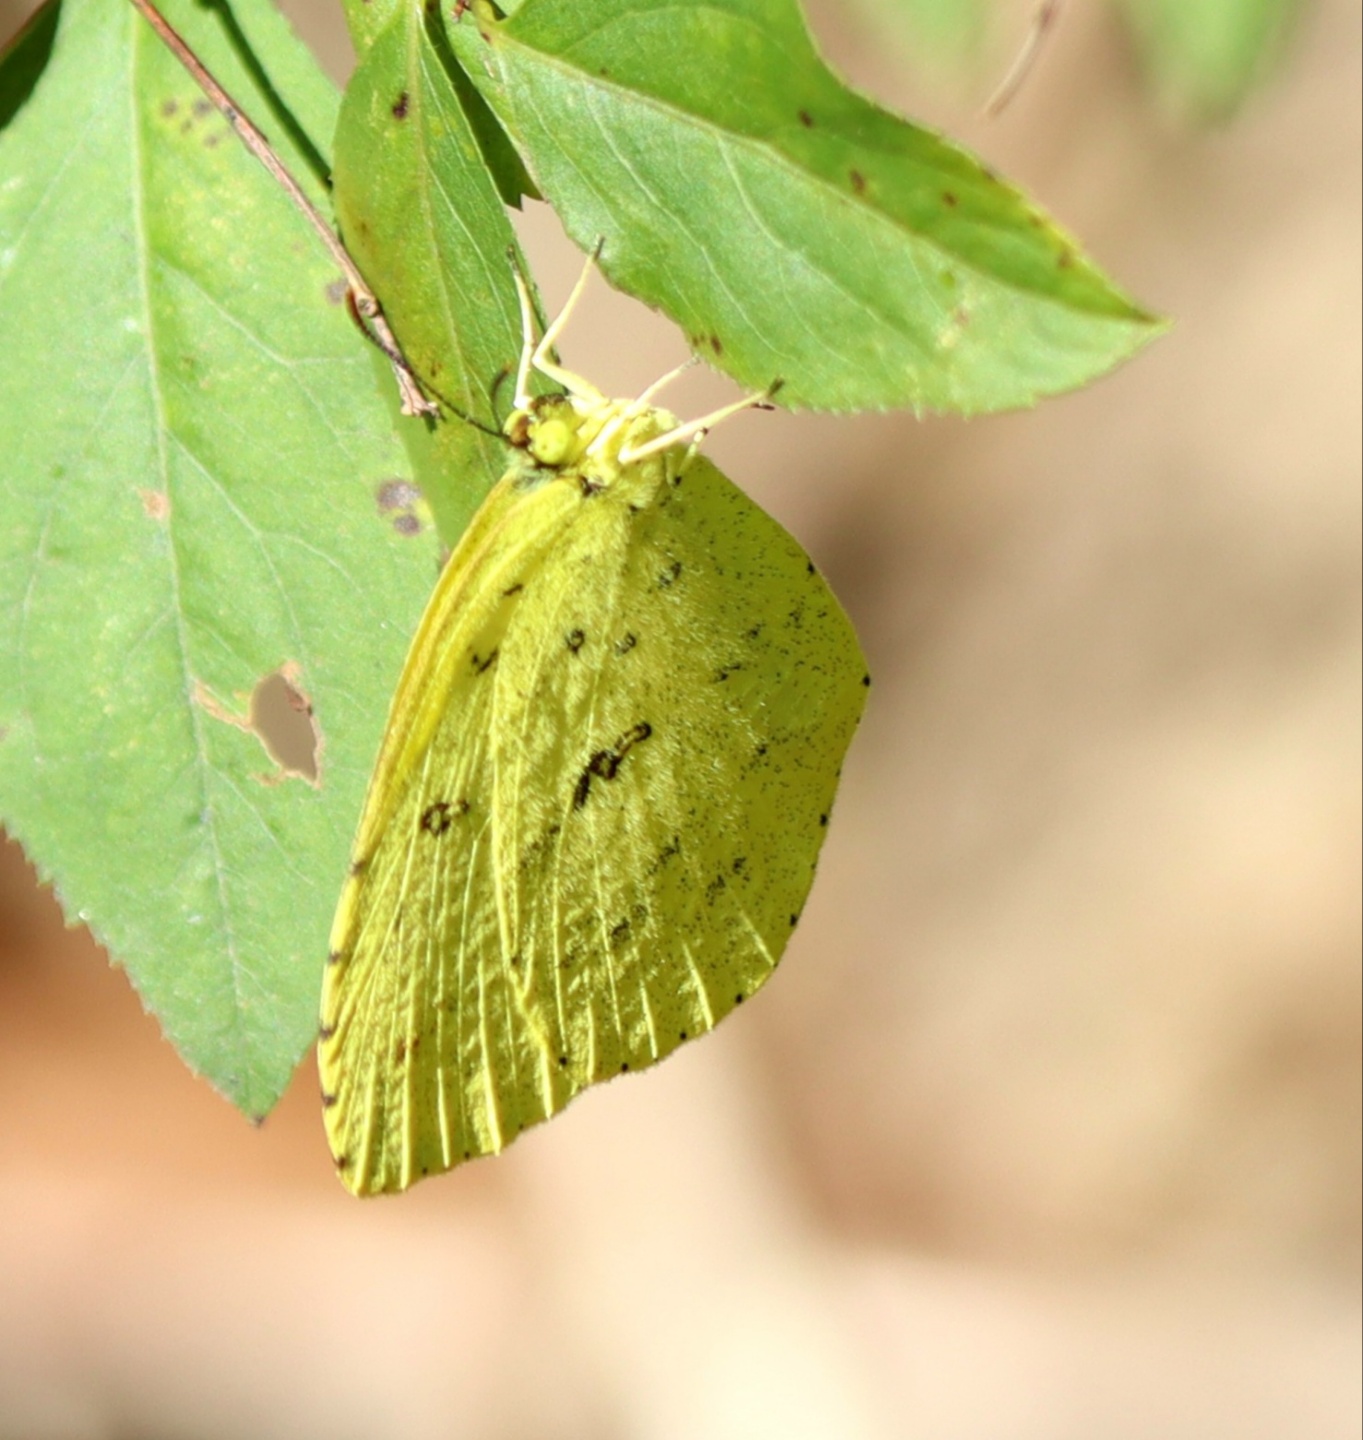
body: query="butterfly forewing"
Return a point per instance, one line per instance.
(413, 1023)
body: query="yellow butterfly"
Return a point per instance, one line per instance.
(596, 812)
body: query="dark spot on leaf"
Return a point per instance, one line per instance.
(575, 640)
(858, 181)
(681, 1035)
(325, 1032)
(169, 107)
(342, 1162)
(949, 199)
(717, 345)
(327, 1100)
(738, 999)
(806, 119)
(624, 1066)
(627, 643)
(396, 494)
(480, 663)
(400, 107)
(399, 1051)
(865, 679)
(562, 1060)
(512, 590)
(669, 576)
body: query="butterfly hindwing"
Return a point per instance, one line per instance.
(670, 722)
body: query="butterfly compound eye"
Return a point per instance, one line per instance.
(551, 441)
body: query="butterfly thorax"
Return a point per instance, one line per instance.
(590, 439)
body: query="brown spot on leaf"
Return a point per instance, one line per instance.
(156, 504)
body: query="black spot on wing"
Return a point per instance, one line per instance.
(605, 764)
(436, 818)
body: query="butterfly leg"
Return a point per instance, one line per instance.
(637, 406)
(539, 358)
(698, 428)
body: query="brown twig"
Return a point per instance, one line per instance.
(1018, 71)
(365, 302)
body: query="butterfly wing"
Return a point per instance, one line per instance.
(595, 817)
(414, 1018)
(670, 721)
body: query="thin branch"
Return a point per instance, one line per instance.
(1042, 21)
(366, 303)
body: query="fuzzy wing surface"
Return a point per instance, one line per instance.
(671, 714)
(421, 1039)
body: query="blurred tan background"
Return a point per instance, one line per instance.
(1049, 1128)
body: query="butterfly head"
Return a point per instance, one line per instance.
(586, 435)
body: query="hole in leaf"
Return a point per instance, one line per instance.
(281, 716)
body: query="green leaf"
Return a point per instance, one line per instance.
(792, 228)
(191, 445)
(422, 217)
(1205, 56)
